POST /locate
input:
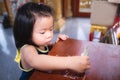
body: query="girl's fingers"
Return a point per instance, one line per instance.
(62, 37)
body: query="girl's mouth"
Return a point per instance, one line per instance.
(49, 42)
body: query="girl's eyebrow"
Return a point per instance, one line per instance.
(45, 28)
(52, 25)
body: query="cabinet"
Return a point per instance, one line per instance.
(81, 8)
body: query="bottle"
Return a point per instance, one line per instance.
(97, 36)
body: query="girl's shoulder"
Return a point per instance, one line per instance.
(22, 49)
(27, 47)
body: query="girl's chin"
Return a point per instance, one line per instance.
(48, 43)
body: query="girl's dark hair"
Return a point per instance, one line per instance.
(25, 19)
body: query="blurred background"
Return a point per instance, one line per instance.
(90, 20)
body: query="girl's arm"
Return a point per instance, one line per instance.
(47, 62)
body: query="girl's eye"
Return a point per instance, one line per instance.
(51, 29)
(42, 32)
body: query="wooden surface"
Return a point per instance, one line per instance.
(104, 61)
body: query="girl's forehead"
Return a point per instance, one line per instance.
(43, 22)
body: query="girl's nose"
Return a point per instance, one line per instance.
(49, 34)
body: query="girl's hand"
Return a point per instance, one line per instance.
(79, 63)
(61, 37)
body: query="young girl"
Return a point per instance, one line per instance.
(33, 32)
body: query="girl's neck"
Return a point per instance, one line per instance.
(41, 47)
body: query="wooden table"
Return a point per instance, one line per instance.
(104, 61)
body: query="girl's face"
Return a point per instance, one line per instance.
(43, 31)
